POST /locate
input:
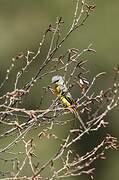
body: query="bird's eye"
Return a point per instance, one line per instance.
(55, 81)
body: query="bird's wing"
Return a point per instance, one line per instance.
(69, 98)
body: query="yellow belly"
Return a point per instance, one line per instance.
(57, 90)
(65, 102)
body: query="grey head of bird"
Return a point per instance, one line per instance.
(57, 80)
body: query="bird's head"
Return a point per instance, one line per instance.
(58, 80)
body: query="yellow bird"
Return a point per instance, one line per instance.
(61, 91)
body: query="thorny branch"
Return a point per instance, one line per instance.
(94, 106)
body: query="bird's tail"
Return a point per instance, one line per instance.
(73, 110)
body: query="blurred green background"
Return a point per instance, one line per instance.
(22, 23)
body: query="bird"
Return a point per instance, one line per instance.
(61, 91)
